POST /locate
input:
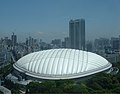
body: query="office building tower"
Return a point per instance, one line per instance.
(77, 34)
(66, 40)
(115, 44)
(14, 40)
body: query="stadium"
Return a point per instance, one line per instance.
(55, 64)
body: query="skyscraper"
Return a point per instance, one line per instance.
(77, 34)
(14, 40)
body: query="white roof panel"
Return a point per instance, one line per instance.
(61, 64)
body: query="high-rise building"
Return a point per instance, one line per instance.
(77, 34)
(14, 40)
(115, 44)
(66, 39)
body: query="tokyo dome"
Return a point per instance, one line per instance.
(58, 64)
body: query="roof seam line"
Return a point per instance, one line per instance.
(54, 61)
(63, 61)
(59, 61)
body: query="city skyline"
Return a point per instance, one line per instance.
(47, 20)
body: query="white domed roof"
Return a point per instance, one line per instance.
(61, 64)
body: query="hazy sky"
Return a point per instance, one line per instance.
(49, 19)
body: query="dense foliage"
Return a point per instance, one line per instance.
(99, 83)
(6, 69)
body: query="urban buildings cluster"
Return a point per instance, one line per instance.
(76, 40)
